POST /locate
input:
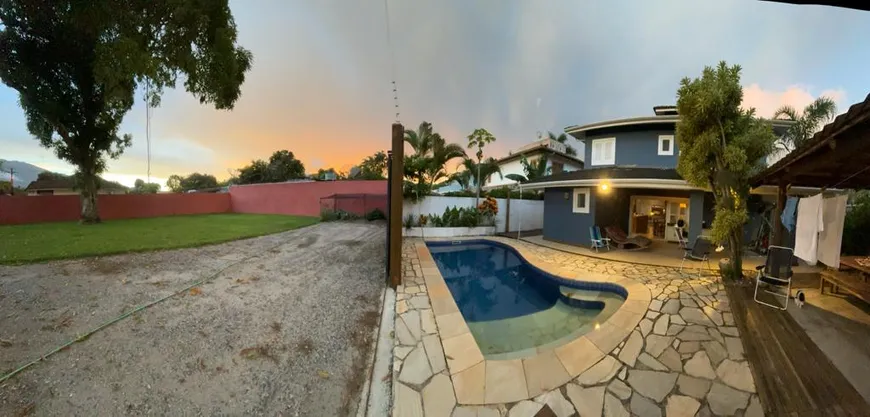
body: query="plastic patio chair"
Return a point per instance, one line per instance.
(777, 272)
(597, 240)
(700, 252)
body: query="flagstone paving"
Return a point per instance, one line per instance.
(685, 358)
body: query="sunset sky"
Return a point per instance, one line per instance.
(320, 83)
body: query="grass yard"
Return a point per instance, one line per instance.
(47, 241)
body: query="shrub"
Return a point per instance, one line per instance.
(408, 221)
(515, 194)
(375, 214)
(334, 215)
(462, 193)
(488, 207)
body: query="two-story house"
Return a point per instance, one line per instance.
(630, 181)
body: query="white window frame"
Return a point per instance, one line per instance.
(577, 192)
(598, 159)
(662, 139)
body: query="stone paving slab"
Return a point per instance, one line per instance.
(673, 351)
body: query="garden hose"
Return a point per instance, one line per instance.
(128, 314)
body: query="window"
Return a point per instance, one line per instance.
(604, 151)
(666, 144)
(581, 200)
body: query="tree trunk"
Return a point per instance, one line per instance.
(90, 215)
(736, 260)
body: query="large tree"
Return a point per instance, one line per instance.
(283, 166)
(722, 146)
(77, 64)
(142, 187)
(807, 123)
(373, 167)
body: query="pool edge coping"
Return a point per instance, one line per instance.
(471, 372)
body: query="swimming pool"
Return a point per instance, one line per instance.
(512, 308)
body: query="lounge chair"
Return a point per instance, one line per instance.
(681, 240)
(622, 240)
(777, 272)
(699, 252)
(597, 240)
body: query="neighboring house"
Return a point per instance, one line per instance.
(630, 180)
(450, 187)
(66, 186)
(557, 161)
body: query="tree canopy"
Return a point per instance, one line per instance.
(722, 146)
(373, 167)
(142, 187)
(195, 181)
(282, 166)
(77, 65)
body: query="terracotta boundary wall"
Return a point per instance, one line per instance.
(302, 199)
(59, 208)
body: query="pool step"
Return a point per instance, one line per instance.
(585, 299)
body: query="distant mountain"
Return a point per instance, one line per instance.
(24, 173)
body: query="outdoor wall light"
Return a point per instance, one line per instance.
(566, 195)
(604, 187)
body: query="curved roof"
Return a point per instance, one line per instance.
(671, 119)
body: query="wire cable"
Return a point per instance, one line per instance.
(392, 60)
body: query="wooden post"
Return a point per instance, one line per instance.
(777, 214)
(397, 174)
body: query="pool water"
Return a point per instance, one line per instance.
(513, 308)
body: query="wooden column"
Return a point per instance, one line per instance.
(776, 239)
(397, 169)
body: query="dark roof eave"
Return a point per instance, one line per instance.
(639, 173)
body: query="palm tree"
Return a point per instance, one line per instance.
(442, 152)
(563, 138)
(535, 169)
(813, 117)
(426, 165)
(468, 176)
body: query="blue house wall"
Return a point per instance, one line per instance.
(637, 148)
(561, 224)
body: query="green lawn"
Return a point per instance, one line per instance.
(45, 241)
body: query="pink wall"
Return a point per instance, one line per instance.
(302, 198)
(279, 198)
(55, 208)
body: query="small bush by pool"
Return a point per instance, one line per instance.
(47, 241)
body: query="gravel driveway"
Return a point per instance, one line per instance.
(285, 329)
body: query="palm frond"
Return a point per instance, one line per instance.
(516, 177)
(788, 111)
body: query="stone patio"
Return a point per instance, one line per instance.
(683, 357)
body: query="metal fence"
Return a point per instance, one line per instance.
(355, 204)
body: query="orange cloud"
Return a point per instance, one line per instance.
(766, 102)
